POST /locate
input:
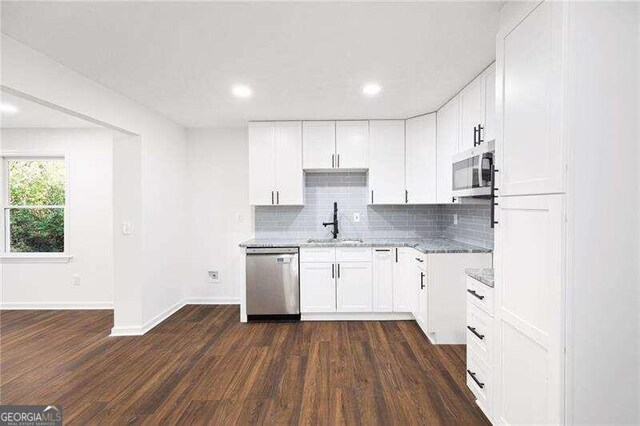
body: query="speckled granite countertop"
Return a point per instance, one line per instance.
(424, 245)
(484, 275)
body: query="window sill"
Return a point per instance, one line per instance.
(35, 258)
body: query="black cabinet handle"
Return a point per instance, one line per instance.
(372, 196)
(333, 270)
(338, 162)
(406, 195)
(475, 132)
(473, 330)
(480, 129)
(475, 379)
(272, 197)
(396, 255)
(277, 197)
(338, 270)
(419, 260)
(473, 293)
(333, 160)
(421, 280)
(383, 250)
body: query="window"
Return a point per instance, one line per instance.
(34, 204)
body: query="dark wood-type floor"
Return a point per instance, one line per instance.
(203, 366)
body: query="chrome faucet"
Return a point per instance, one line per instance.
(335, 221)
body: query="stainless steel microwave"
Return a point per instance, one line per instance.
(472, 171)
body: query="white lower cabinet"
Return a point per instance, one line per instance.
(383, 259)
(404, 290)
(480, 344)
(336, 280)
(354, 287)
(317, 287)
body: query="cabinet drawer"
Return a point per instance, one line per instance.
(353, 254)
(480, 295)
(479, 379)
(479, 332)
(318, 254)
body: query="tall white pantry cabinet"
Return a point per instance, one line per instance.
(567, 218)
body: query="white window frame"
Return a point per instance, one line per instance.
(47, 257)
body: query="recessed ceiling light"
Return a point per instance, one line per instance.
(8, 109)
(371, 89)
(241, 91)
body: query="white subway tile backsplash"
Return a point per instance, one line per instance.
(349, 190)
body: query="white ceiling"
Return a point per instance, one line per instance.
(303, 60)
(32, 115)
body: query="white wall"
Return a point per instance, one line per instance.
(218, 194)
(162, 226)
(89, 230)
(604, 286)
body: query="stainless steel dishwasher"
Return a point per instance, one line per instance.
(273, 284)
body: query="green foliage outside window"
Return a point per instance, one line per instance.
(36, 183)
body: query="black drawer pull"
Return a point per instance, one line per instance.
(383, 249)
(419, 260)
(473, 292)
(473, 330)
(473, 376)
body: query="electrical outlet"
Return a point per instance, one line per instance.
(212, 276)
(455, 218)
(356, 217)
(76, 280)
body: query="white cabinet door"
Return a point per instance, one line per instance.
(319, 144)
(529, 310)
(355, 287)
(404, 281)
(422, 306)
(289, 175)
(471, 112)
(447, 146)
(352, 144)
(317, 287)
(383, 259)
(386, 168)
(262, 168)
(531, 147)
(421, 160)
(489, 132)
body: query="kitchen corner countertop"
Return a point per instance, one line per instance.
(484, 275)
(424, 245)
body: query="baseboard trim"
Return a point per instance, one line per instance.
(139, 331)
(28, 306)
(213, 301)
(359, 316)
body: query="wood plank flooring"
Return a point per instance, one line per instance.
(203, 366)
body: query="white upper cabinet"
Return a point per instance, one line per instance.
(387, 167)
(275, 163)
(289, 176)
(489, 132)
(352, 144)
(531, 147)
(478, 110)
(330, 145)
(447, 146)
(262, 163)
(471, 113)
(319, 144)
(421, 160)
